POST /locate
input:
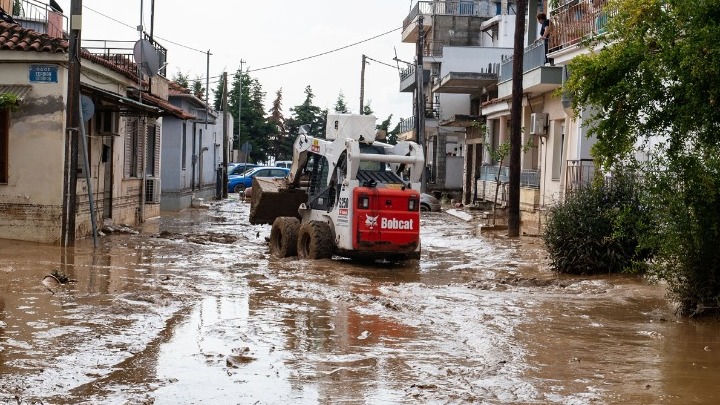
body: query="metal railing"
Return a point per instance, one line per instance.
(407, 72)
(453, 8)
(121, 53)
(407, 124)
(433, 48)
(576, 20)
(578, 174)
(528, 177)
(28, 11)
(533, 56)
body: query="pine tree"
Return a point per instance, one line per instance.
(281, 142)
(341, 105)
(181, 79)
(307, 113)
(252, 126)
(367, 110)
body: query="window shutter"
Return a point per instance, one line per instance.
(4, 144)
(158, 132)
(142, 134)
(129, 124)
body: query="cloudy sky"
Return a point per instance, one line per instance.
(268, 33)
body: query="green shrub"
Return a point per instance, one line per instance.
(688, 242)
(597, 229)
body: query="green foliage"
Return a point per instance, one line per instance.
(281, 141)
(654, 86)
(307, 113)
(367, 109)
(181, 79)
(597, 229)
(9, 101)
(246, 95)
(688, 194)
(341, 105)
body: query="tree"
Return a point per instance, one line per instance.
(307, 113)
(198, 89)
(252, 127)
(367, 110)
(653, 88)
(282, 142)
(341, 105)
(181, 79)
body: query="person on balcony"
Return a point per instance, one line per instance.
(546, 29)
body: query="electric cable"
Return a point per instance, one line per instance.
(324, 53)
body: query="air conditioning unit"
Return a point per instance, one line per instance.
(152, 190)
(538, 123)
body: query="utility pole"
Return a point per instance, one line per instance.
(515, 122)
(152, 20)
(420, 100)
(72, 125)
(225, 136)
(362, 85)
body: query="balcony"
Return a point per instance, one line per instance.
(538, 77)
(576, 20)
(578, 174)
(430, 9)
(408, 79)
(40, 17)
(120, 53)
(407, 125)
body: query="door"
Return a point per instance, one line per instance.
(107, 161)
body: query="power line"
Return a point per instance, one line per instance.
(325, 53)
(382, 63)
(134, 28)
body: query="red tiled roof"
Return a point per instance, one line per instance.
(16, 38)
(167, 106)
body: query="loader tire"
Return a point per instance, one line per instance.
(315, 241)
(283, 237)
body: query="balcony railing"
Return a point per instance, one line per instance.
(576, 20)
(407, 72)
(453, 8)
(38, 16)
(533, 56)
(578, 174)
(121, 53)
(528, 177)
(433, 48)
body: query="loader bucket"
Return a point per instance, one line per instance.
(272, 198)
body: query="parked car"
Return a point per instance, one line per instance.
(428, 203)
(238, 183)
(240, 168)
(284, 163)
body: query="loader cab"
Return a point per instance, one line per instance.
(320, 195)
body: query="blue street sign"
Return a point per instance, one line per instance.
(43, 74)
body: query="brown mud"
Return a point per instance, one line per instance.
(194, 310)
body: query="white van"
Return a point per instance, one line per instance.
(284, 163)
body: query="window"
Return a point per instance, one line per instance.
(106, 122)
(183, 146)
(4, 144)
(133, 147)
(151, 146)
(558, 145)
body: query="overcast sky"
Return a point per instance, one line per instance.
(266, 33)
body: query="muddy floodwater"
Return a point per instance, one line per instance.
(193, 310)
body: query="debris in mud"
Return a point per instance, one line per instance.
(364, 335)
(202, 239)
(240, 357)
(56, 277)
(108, 229)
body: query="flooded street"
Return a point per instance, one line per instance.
(193, 310)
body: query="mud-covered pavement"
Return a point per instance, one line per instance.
(194, 311)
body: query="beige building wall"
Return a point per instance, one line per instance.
(32, 199)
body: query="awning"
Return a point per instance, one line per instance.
(18, 90)
(114, 102)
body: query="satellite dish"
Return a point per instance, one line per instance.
(146, 57)
(87, 107)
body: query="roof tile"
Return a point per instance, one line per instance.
(16, 38)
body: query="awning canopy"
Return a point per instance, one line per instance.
(110, 101)
(18, 90)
